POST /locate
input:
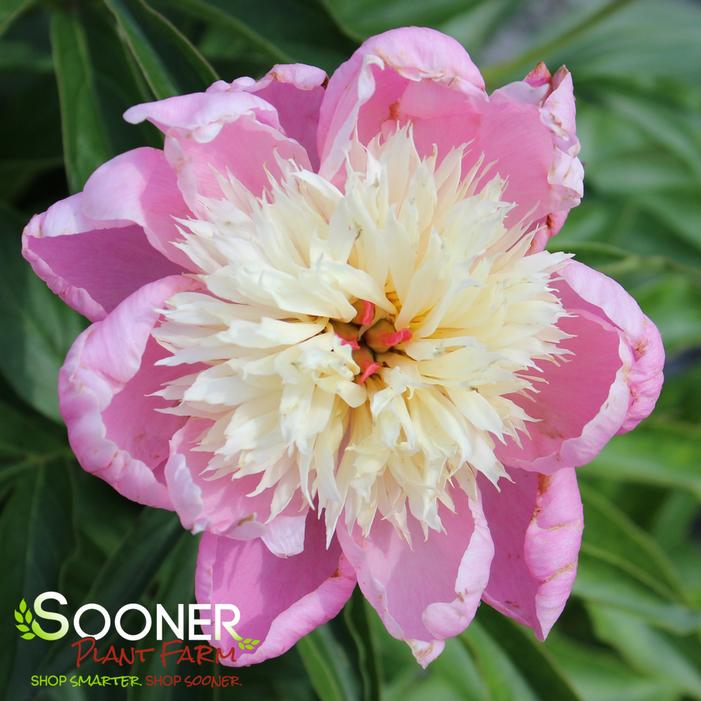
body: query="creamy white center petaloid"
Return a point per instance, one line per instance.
(363, 343)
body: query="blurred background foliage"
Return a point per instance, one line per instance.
(632, 630)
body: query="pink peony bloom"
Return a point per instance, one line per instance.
(327, 334)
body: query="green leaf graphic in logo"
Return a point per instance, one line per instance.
(24, 619)
(27, 625)
(245, 643)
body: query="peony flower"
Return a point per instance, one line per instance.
(326, 332)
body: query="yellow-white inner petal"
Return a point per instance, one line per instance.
(427, 245)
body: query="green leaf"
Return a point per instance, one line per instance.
(229, 21)
(456, 668)
(37, 539)
(600, 675)
(361, 18)
(665, 125)
(601, 583)
(612, 537)
(534, 663)
(85, 140)
(650, 652)
(680, 210)
(18, 617)
(22, 56)
(472, 22)
(37, 327)
(126, 573)
(269, 31)
(560, 36)
(499, 671)
(327, 665)
(674, 520)
(148, 34)
(671, 302)
(646, 39)
(655, 453)
(355, 615)
(10, 10)
(22, 605)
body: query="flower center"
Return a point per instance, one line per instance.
(369, 339)
(364, 345)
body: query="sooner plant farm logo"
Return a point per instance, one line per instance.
(192, 621)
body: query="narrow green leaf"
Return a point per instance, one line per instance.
(23, 56)
(10, 10)
(611, 536)
(37, 540)
(85, 139)
(497, 74)
(601, 583)
(499, 671)
(537, 666)
(472, 22)
(155, 72)
(600, 675)
(680, 210)
(655, 453)
(327, 665)
(356, 619)
(144, 30)
(650, 652)
(269, 31)
(653, 43)
(456, 668)
(219, 14)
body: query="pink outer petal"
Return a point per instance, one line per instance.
(526, 130)
(296, 91)
(536, 522)
(221, 506)
(140, 186)
(580, 402)
(608, 385)
(97, 247)
(113, 425)
(220, 133)
(554, 97)
(427, 591)
(589, 289)
(280, 599)
(375, 77)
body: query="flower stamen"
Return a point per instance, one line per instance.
(383, 336)
(366, 312)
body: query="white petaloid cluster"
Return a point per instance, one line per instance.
(419, 240)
